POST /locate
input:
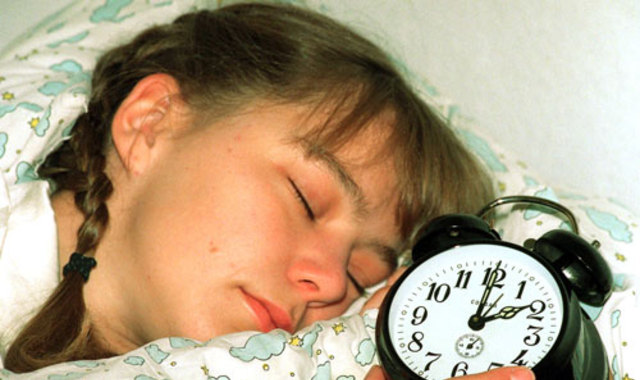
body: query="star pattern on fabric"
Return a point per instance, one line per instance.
(338, 328)
(34, 122)
(295, 341)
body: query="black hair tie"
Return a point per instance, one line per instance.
(81, 264)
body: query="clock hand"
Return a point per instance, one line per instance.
(506, 312)
(491, 306)
(470, 345)
(476, 321)
(487, 290)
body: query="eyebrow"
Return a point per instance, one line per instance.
(337, 169)
(351, 187)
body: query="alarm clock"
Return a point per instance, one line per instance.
(471, 302)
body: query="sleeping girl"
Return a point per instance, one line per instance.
(250, 168)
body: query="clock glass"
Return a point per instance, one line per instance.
(473, 308)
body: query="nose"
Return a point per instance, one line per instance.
(319, 275)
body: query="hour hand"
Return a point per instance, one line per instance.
(506, 312)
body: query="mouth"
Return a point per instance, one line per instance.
(268, 316)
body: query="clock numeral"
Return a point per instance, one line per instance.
(463, 279)
(416, 342)
(537, 307)
(500, 275)
(419, 315)
(521, 289)
(518, 360)
(460, 369)
(439, 293)
(534, 338)
(429, 362)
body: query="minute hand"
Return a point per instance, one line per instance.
(487, 290)
(506, 312)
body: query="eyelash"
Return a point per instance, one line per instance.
(303, 200)
(355, 283)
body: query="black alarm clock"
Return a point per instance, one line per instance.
(470, 303)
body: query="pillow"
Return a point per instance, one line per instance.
(45, 75)
(44, 85)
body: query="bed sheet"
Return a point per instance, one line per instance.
(44, 82)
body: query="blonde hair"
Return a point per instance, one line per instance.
(222, 60)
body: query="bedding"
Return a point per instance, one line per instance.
(44, 84)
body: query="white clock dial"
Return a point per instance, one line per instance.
(473, 308)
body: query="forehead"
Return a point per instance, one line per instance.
(342, 130)
(345, 141)
(359, 139)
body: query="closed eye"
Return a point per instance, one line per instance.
(303, 201)
(359, 288)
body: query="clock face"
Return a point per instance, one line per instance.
(473, 308)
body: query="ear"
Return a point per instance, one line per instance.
(142, 117)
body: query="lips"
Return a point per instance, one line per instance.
(268, 315)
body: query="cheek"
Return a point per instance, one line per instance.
(250, 216)
(186, 225)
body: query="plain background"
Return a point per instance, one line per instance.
(555, 82)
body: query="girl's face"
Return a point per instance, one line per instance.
(239, 226)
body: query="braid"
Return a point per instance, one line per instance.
(78, 166)
(90, 198)
(61, 331)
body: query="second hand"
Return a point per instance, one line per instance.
(491, 306)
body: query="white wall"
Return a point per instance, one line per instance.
(557, 82)
(15, 16)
